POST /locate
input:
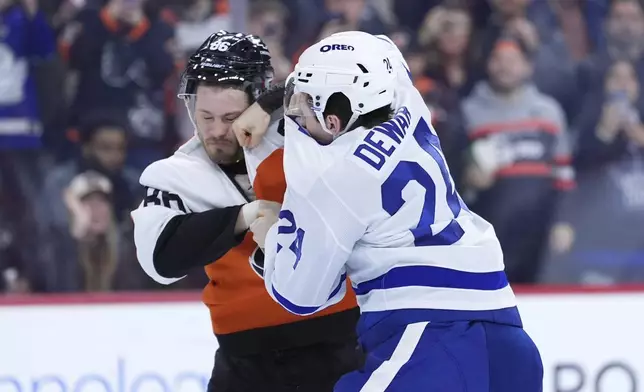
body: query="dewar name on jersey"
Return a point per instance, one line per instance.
(381, 141)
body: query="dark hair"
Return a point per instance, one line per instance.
(339, 105)
(92, 123)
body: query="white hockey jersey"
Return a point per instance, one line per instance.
(380, 205)
(189, 182)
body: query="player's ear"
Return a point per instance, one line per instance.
(333, 124)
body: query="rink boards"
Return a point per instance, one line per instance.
(590, 340)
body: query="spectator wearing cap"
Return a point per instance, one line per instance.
(553, 67)
(93, 253)
(518, 154)
(104, 142)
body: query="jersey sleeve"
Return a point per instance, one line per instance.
(154, 213)
(171, 239)
(306, 250)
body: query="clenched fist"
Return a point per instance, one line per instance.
(267, 218)
(251, 126)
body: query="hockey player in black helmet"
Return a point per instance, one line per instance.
(228, 72)
(197, 213)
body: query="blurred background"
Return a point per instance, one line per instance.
(537, 104)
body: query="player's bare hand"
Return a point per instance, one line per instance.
(610, 122)
(262, 224)
(254, 210)
(251, 126)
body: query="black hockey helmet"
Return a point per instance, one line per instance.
(230, 59)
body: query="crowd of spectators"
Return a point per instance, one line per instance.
(537, 104)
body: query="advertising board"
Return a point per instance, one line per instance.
(590, 342)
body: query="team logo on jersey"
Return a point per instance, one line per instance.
(327, 48)
(256, 260)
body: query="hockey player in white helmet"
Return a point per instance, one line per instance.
(199, 205)
(369, 195)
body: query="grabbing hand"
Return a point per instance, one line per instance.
(251, 126)
(79, 215)
(610, 122)
(254, 210)
(267, 218)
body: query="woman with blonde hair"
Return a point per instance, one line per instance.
(104, 257)
(445, 37)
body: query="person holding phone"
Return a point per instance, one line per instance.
(611, 124)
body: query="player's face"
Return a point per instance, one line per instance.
(215, 111)
(108, 147)
(626, 22)
(455, 33)
(508, 68)
(623, 78)
(100, 213)
(316, 131)
(300, 109)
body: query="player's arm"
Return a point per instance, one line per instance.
(306, 251)
(251, 126)
(171, 240)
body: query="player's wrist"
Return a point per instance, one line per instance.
(272, 99)
(247, 215)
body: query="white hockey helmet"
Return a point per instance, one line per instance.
(351, 63)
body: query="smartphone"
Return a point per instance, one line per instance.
(621, 98)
